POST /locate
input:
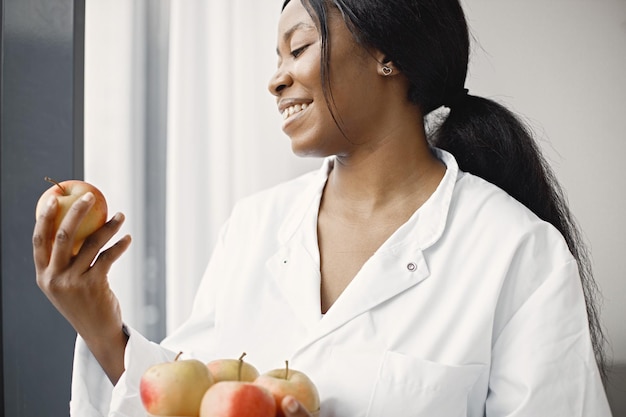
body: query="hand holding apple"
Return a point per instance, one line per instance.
(76, 282)
(285, 382)
(292, 408)
(66, 193)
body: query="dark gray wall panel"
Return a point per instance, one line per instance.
(41, 134)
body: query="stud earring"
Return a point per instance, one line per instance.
(387, 70)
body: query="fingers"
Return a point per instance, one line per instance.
(64, 239)
(94, 243)
(108, 257)
(293, 408)
(43, 234)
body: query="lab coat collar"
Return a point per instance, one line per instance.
(428, 223)
(432, 215)
(400, 257)
(311, 195)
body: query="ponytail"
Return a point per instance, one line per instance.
(489, 141)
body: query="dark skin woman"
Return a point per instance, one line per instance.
(355, 80)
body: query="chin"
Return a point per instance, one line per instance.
(310, 153)
(305, 153)
(310, 149)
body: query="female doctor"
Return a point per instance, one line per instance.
(398, 276)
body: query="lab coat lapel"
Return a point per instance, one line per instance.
(295, 266)
(297, 275)
(399, 264)
(384, 276)
(395, 268)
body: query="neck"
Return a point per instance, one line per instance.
(400, 170)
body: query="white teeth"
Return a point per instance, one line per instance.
(290, 111)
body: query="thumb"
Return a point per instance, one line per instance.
(292, 408)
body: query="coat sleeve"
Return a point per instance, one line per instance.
(542, 359)
(93, 395)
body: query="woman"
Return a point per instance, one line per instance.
(396, 277)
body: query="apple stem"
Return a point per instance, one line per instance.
(240, 366)
(178, 356)
(286, 369)
(50, 180)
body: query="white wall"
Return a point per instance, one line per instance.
(562, 65)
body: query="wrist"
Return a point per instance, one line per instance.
(109, 352)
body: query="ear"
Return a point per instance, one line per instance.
(387, 69)
(385, 66)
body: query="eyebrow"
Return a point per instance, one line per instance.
(289, 33)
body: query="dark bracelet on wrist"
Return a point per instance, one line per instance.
(126, 332)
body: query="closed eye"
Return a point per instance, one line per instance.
(297, 52)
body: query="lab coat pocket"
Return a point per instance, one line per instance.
(410, 386)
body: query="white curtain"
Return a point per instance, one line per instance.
(223, 130)
(224, 139)
(113, 120)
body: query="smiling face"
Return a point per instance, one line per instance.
(355, 84)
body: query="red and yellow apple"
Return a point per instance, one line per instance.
(284, 381)
(66, 193)
(237, 399)
(175, 388)
(232, 370)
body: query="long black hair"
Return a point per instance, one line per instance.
(429, 42)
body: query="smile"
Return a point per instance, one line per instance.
(295, 109)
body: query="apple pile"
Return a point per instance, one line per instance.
(223, 388)
(66, 193)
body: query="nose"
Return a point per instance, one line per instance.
(279, 81)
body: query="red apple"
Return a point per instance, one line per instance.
(284, 381)
(232, 370)
(66, 193)
(237, 399)
(175, 388)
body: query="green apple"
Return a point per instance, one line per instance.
(232, 370)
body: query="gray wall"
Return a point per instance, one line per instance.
(561, 65)
(41, 134)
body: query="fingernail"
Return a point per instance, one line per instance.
(87, 197)
(118, 217)
(291, 405)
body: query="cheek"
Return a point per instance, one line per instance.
(354, 93)
(309, 70)
(352, 76)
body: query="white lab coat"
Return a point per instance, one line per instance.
(473, 307)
